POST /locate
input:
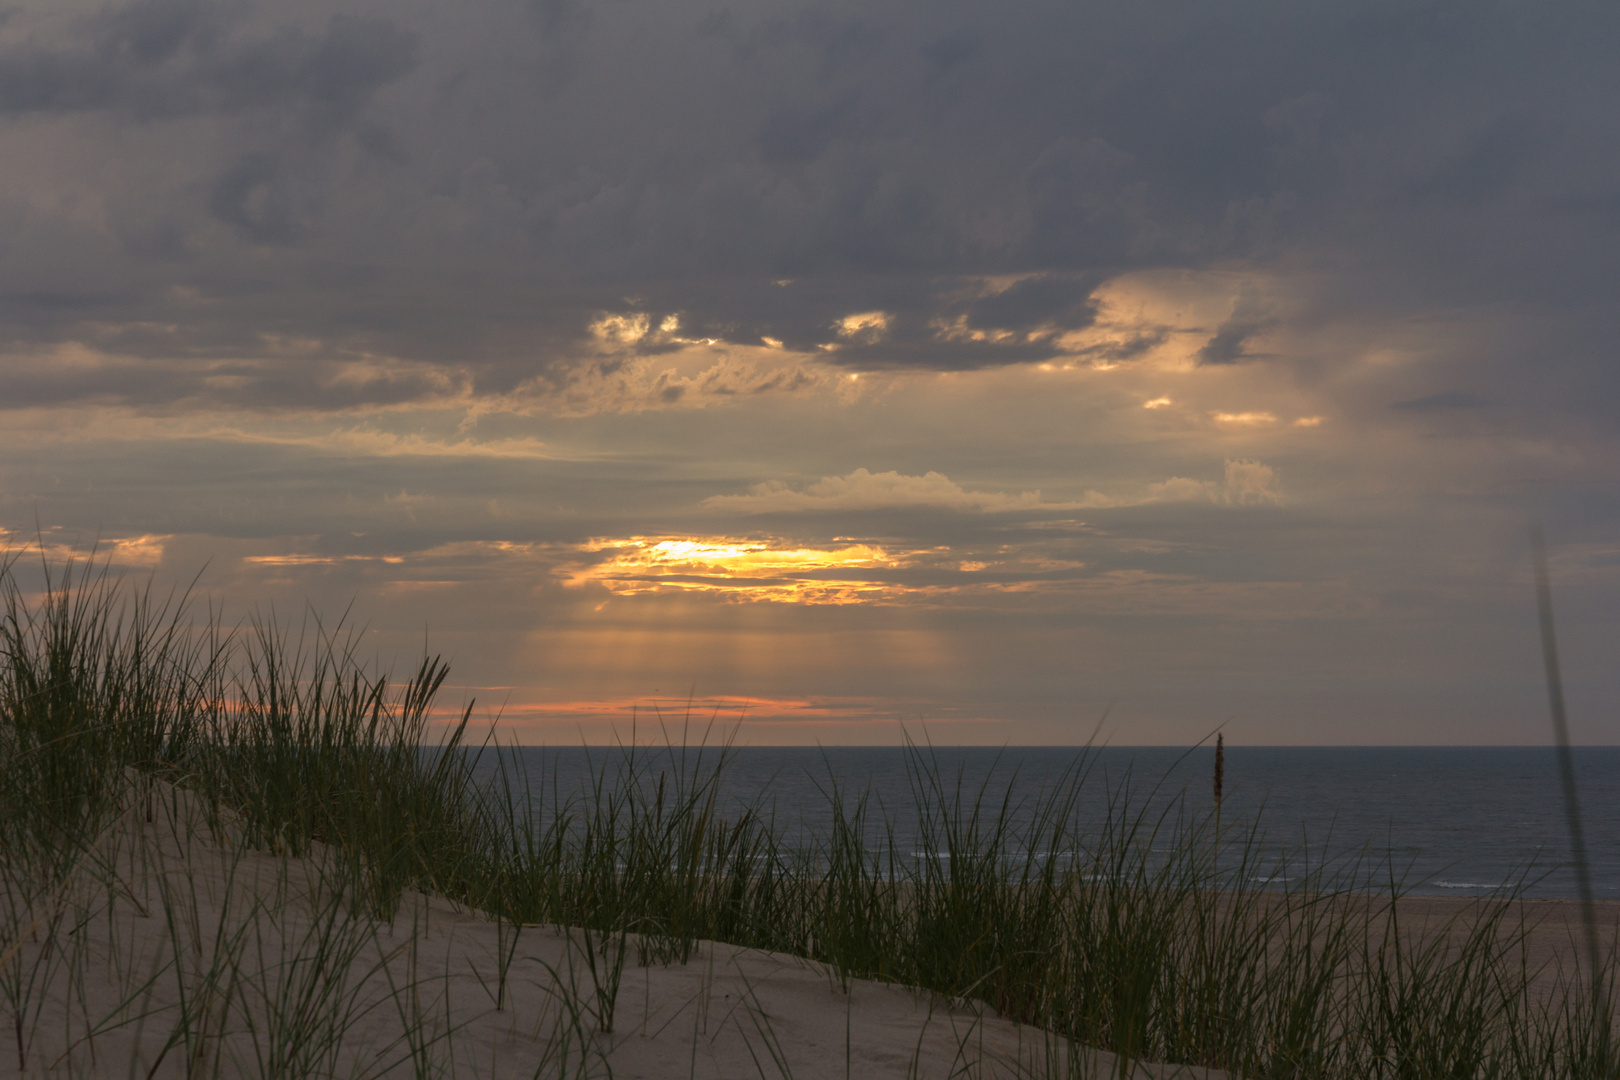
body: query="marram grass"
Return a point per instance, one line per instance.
(1142, 934)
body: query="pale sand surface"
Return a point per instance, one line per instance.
(172, 955)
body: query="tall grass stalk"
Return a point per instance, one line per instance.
(1566, 772)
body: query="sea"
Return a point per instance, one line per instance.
(1460, 821)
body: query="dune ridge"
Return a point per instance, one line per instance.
(175, 950)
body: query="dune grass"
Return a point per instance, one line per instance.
(1144, 934)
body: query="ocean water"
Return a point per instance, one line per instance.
(1443, 820)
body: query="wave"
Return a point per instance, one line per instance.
(1469, 885)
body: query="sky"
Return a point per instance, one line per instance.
(1000, 373)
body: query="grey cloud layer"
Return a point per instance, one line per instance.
(163, 59)
(467, 186)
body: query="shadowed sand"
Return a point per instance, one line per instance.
(173, 953)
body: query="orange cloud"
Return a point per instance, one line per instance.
(1245, 419)
(318, 560)
(741, 568)
(143, 551)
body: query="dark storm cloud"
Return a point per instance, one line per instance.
(470, 189)
(1230, 343)
(159, 59)
(235, 192)
(1035, 302)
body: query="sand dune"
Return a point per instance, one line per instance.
(174, 953)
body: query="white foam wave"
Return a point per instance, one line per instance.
(1468, 885)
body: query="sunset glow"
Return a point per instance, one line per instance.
(740, 569)
(1005, 364)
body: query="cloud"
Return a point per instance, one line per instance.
(1252, 418)
(1246, 483)
(285, 376)
(1250, 483)
(1035, 302)
(163, 59)
(1251, 316)
(864, 327)
(472, 193)
(1180, 489)
(866, 490)
(367, 442)
(246, 195)
(264, 268)
(57, 548)
(1450, 399)
(1482, 162)
(640, 368)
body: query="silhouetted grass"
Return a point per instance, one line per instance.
(1140, 932)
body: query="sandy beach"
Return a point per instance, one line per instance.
(1553, 931)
